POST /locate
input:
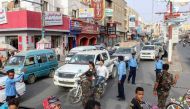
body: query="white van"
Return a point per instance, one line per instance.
(75, 50)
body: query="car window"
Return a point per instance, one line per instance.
(105, 56)
(116, 44)
(30, 61)
(98, 58)
(51, 57)
(42, 58)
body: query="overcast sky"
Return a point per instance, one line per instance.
(145, 7)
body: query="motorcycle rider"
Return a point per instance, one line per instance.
(102, 73)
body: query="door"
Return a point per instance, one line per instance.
(107, 62)
(52, 61)
(43, 65)
(30, 65)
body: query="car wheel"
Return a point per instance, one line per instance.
(114, 72)
(31, 79)
(51, 73)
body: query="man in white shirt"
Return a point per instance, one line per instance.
(102, 72)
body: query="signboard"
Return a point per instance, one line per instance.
(99, 6)
(175, 34)
(86, 13)
(75, 26)
(132, 22)
(53, 18)
(103, 30)
(85, 2)
(3, 16)
(90, 28)
(111, 28)
(108, 12)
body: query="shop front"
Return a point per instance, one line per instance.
(88, 35)
(23, 30)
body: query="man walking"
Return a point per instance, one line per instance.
(132, 67)
(121, 66)
(158, 66)
(163, 85)
(10, 88)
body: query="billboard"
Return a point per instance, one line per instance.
(132, 21)
(53, 18)
(99, 8)
(86, 13)
(108, 12)
(3, 16)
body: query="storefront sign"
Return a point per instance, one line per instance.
(103, 30)
(53, 18)
(132, 21)
(85, 2)
(75, 26)
(99, 7)
(111, 28)
(90, 28)
(3, 16)
(108, 12)
(86, 13)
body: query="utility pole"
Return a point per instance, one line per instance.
(170, 46)
(43, 18)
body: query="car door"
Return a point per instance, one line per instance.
(43, 65)
(30, 65)
(52, 62)
(107, 62)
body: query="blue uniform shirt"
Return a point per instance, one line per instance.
(158, 64)
(10, 88)
(133, 62)
(121, 67)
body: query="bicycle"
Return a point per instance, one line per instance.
(182, 103)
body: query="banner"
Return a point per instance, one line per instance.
(86, 13)
(132, 21)
(3, 16)
(99, 7)
(53, 18)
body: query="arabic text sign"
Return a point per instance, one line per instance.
(3, 16)
(53, 18)
(86, 13)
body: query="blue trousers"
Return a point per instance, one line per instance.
(99, 80)
(132, 74)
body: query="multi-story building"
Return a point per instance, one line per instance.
(24, 25)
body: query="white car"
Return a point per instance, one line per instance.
(67, 74)
(20, 87)
(149, 52)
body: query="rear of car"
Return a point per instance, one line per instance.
(20, 87)
(148, 52)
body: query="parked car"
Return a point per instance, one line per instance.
(67, 74)
(101, 46)
(34, 63)
(116, 46)
(149, 52)
(75, 50)
(20, 87)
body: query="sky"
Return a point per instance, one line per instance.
(145, 7)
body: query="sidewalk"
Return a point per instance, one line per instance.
(175, 66)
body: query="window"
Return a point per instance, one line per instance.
(98, 58)
(30, 61)
(42, 58)
(5, 5)
(105, 56)
(51, 57)
(58, 9)
(74, 13)
(45, 6)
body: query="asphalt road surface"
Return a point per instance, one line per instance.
(44, 87)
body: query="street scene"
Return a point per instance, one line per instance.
(94, 54)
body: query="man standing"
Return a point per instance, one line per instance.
(158, 66)
(10, 83)
(121, 66)
(163, 85)
(58, 52)
(132, 67)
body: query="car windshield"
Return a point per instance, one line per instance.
(158, 44)
(123, 51)
(16, 60)
(81, 59)
(1, 75)
(148, 48)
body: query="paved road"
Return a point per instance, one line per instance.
(145, 78)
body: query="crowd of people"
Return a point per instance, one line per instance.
(94, 76)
